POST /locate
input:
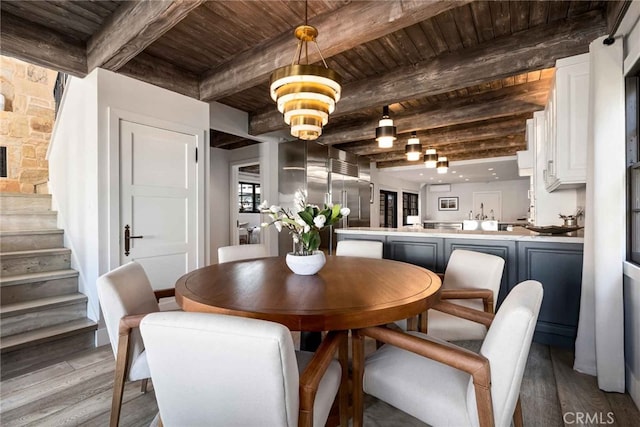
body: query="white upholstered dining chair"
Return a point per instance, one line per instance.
(471, 279)
(126, 296)
(220, 370)
(241, 252)
(442, 384)
(359, 248)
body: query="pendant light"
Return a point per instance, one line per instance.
(386, 131)
(443, 164)
(413, 149)
(430, 158)
(305, 93)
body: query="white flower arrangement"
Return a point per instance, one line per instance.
(305, 224)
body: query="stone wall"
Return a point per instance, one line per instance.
(26, 123)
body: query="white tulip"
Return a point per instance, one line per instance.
(296, 239)
(307, 228)
(263, 206)
(319, 221)
(274, 208)
(278, 226)
(345, 211)
(300, 220)
(264, 224)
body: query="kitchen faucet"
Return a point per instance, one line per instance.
(481, 216)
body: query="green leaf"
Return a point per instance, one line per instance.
(335, 212)
(307, 216)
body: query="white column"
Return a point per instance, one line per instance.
(600, 342)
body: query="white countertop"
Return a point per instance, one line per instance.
(518, 234)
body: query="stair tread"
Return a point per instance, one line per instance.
(17, 341)
(7, 233)
(19, 279)
(48, 302)
(26, 195)
(25, 213)
(34, 252)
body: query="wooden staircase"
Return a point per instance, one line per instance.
(42, 314)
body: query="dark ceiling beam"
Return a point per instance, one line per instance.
(131, 28)
(157, 72)
(219, 139)
(513, 100)
(470, 155)
(41, 46)
(350, 26)
(521, 52)
(439, 137)
(453, 150)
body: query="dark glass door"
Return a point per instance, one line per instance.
(388, 209)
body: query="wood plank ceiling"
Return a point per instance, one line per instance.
(464, 75)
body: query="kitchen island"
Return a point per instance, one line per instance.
(554, 260)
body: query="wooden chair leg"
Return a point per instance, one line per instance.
(357, 343)
(343, 357)
(143, 385)
(518, 421)
(119, 380)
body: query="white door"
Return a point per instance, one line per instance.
(158, 201)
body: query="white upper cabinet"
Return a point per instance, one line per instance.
(566, 117)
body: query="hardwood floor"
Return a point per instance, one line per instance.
(77, 392)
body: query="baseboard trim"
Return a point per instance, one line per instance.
(102, 337)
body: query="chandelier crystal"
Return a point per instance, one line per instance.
(305, 94)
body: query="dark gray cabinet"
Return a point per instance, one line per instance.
(558, 266)
(426, 252)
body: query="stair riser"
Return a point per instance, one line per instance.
(35, 290)
(27, 242)
(24, 204)
(44, 317)
(35, 264)
(27, 221)
(27, 359)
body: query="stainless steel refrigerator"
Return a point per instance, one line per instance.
(330, 176)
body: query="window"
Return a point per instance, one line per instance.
(249, 197)
(409, 206)
(633, 168)
(388, 209)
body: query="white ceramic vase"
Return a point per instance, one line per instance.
(306, 265)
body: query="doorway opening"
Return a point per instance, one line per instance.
(246, 199)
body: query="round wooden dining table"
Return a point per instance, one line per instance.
(348, 293)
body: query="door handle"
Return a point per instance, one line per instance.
(127, 237)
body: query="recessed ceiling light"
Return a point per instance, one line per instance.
(431, 178)
(490, 169)
(460, 175)
(439, 180)
(466, 179)
(493, 174)
(497, 177)
(453, 171)
(421, 174)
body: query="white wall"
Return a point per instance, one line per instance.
(84, 166)
(73, 180)
(218, 201)
(514, 200)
